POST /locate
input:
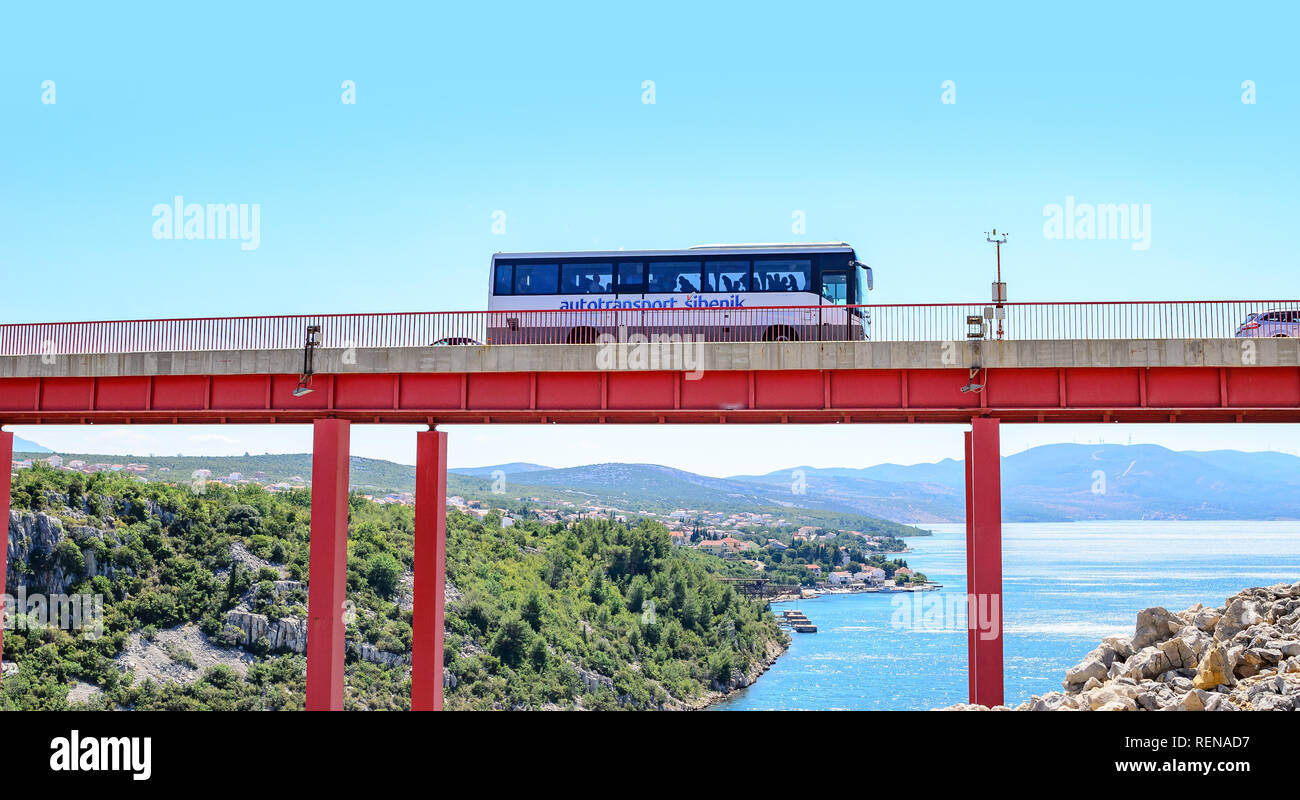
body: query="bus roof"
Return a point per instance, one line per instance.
(775, 248)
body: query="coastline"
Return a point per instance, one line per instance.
(775, 649)
(778, 648)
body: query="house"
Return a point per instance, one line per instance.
(55, 461)
(870, 575)
(815, 569)
(777, 544)
(715, 546)
(737, 545)
(839, 578)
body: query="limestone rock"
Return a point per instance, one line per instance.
(1194, 700)
(1121, 646)
(1239, 614)
(1242, 656)
(1081, 672)
(1215, 669)
(1154, 625)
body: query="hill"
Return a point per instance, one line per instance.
(513, 468)
(366, 474)
(1060, 482)
(204, 605)
(658, 491)
(22, 445)
(1064, 482)
(643, 488)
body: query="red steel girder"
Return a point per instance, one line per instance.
(1092, 394)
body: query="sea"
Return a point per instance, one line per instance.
(1065, 587)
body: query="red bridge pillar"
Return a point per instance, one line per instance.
(984, 561)
(327, 570)
(6, 472)
(430, 569)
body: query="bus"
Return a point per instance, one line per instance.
(723, 292)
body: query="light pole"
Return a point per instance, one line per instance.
(999, 287)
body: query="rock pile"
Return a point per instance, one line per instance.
(1243, 656)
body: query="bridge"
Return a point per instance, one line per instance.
(1055, 362)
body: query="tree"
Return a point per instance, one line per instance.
(244, 520)
(384, 575)
(69, 556)
(532, 610)
(512, 640)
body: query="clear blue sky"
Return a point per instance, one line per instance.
(761, 110)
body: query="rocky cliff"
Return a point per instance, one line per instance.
(47, 556)
(38, 563)
(1242, 656)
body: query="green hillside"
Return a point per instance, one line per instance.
(641, 488)
(367, 474)
(592, 615)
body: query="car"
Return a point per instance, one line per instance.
(1276, 322)
(455, 340)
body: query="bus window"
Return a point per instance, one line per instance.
(631, 277)
(536, 278)
(587, 278)
(674, 276)
(782, 276)
(504, 280)
(835, 286)
(726, 276)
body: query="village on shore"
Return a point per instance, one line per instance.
(797, 561)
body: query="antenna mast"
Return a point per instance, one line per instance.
(999, 286)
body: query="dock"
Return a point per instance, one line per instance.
(798, 622)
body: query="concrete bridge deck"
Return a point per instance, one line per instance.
(1031, 354)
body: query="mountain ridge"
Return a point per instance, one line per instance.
(1059, 482)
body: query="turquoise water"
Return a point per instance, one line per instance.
(1066, 585)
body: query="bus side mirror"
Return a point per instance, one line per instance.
(871, 284)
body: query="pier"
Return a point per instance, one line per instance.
(798, 622)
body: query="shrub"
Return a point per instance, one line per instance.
(384, 574)
(69, 556)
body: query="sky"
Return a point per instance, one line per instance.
(538, 115)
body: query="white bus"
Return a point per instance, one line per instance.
(718, 292)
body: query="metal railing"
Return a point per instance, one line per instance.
(883, 323)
